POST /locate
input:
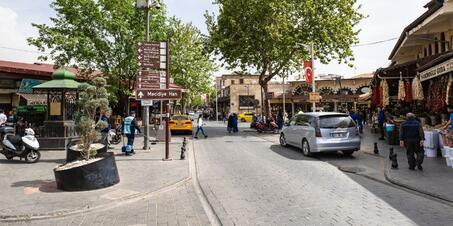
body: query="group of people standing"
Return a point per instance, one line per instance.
(232, 125)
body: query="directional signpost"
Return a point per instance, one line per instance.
(153, 81)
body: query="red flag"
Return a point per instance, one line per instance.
(308, 69)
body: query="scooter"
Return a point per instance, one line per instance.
(26, 146)
(262, 127)
(115, 135)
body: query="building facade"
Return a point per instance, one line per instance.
(242, 93)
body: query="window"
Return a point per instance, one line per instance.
(425, 52)
(336, 121)
(430, 50)
(301, 120)
(246, 101)
(232, 82)
(241, 81)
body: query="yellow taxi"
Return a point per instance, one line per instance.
(180, 123)
(246, 117)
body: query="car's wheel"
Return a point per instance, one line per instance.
(32, 156)
(9, 157)
(242, 119)
(283, 140)
(348, 152)
(306, 148)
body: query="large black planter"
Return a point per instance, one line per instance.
(73, 155)
(96, 175)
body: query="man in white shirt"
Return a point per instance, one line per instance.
(200, 127)
(3, 118)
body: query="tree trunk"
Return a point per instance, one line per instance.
(265, 103)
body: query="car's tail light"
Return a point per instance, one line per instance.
(188, 123)
(172, 122)
(318, 132)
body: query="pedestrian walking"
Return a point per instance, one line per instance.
(200, 128)
(412, 137)
(230, 124)
(105, 132)
(381, 120)
(129, 127)
(235, 123)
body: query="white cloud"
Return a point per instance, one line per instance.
(13, 44)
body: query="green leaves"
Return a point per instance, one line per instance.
(103, 35)
(269, 35)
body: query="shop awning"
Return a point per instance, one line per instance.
(34, 99)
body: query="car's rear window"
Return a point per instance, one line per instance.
(335, 121)
(179, 117)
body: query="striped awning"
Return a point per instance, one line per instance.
(34, 99)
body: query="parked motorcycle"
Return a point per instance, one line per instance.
(263, 127)
(26, 146)
(115, 135)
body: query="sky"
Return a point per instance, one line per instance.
(386, 20)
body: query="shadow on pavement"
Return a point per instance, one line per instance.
(290, 153)
(47, 186)
(17, 161)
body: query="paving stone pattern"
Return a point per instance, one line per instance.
(176, 207)
(251, 181)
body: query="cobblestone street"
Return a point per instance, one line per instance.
(249, 180)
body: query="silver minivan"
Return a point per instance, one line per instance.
(322, 132)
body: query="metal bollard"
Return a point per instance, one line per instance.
(183, 155)
(394, 159)
(391, 153)
(184, 142)
(376, 150)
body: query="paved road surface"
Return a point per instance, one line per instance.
(250, 180)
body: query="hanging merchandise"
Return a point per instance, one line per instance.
(417, 89)
(385, 93)
(408, 91)
(447, 96)
(401, 91)
(375, 96)
(434, 100)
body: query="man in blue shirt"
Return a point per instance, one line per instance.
(129, 127)
(412, 137)
(381, 120)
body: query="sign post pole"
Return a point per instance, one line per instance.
(167, 121)
(146, 108)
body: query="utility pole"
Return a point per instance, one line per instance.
(284, 93)
(312, 52)
(216, 104)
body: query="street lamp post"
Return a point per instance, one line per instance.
(284, 92)
(312, 52)
(216, 104)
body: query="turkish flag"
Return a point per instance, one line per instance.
(308, 71)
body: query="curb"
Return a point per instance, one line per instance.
(389, 178)
(207, 205)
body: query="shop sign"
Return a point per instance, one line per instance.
(437, 70)
(314, 97)
(159, 94)
(26, 85)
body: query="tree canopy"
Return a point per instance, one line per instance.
(269, 35)
(103, 35)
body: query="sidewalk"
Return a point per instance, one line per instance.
(436, 179)
(29, 190)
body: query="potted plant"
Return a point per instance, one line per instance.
(88, 166)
